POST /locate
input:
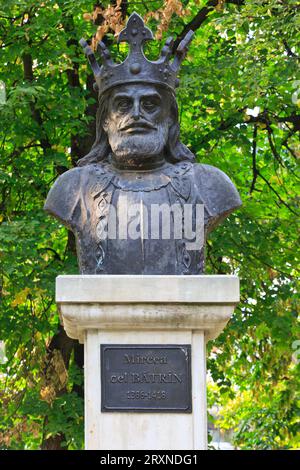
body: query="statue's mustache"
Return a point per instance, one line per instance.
(139, 123)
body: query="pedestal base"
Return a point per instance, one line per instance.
(145, 310)
(138, 430)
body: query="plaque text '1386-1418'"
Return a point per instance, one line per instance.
(146, 378)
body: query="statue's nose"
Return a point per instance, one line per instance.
(136, 111)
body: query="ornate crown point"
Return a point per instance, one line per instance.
(166, 51)
(91, 57)
(181, 50)
(136, 67)
(104, 53)
(135, 33)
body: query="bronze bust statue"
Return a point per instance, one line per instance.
(138, 161)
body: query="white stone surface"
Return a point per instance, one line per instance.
(187, 302)
(157, 431)
(144, 289)
(77, 318)
(145, 310)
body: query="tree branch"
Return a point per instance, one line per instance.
(254, 168)
(277, 194)
(35, 112)
(272, 146)
(289, 51)
(199, 19)
(263, 118)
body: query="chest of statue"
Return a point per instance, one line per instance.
(138, 223)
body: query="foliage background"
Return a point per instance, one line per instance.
(239, 109)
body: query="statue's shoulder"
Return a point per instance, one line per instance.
(216, 189)
(64, 195)
(73, 186)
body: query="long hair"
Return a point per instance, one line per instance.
(175, 150)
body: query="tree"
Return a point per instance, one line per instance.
(239, 106)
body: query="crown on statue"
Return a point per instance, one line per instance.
(136, 67)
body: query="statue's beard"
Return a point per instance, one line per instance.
(127, 146)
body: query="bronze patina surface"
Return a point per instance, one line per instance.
(139, 161)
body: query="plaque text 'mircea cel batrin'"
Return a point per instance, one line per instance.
(146, 378)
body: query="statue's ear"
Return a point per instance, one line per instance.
(105, 125)
(170, 121)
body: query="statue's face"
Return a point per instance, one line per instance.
(138, 120)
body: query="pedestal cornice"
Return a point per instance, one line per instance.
(136, 302)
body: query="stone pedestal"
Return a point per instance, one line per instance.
(145, 310)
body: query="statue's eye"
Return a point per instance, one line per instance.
(149, 104)
(123, 104)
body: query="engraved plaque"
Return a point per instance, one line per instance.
(146, 378)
